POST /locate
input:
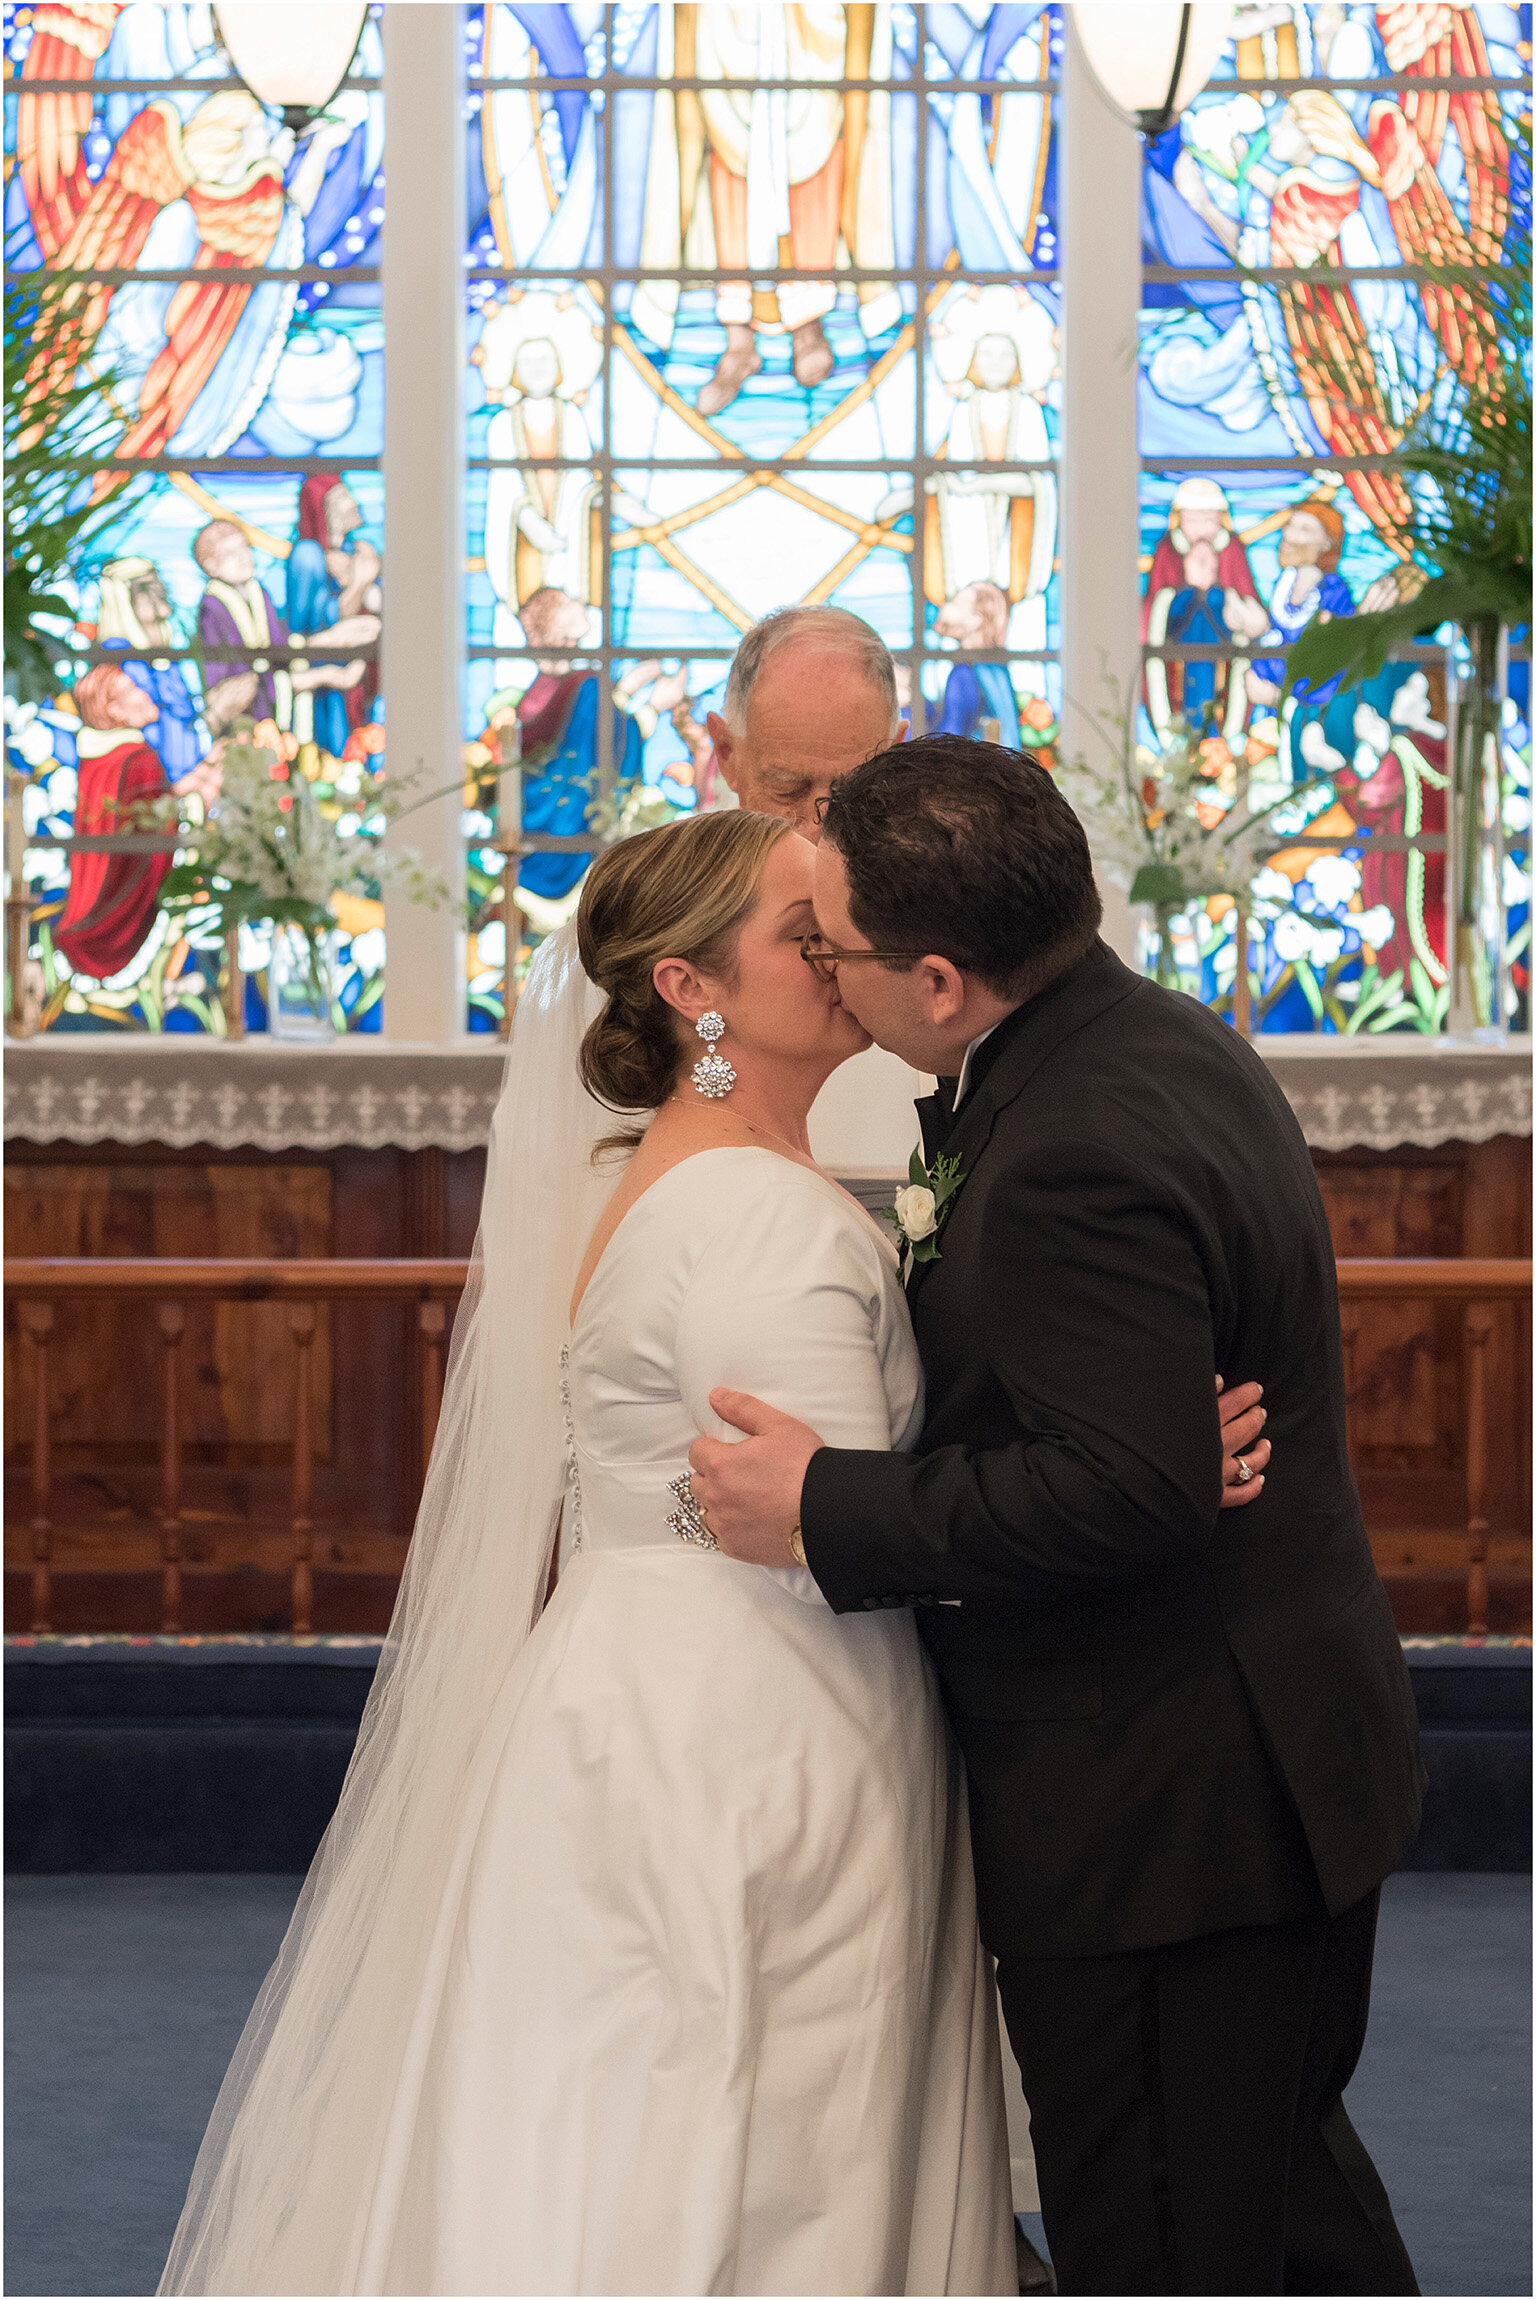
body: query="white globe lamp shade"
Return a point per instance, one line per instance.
(293, 58)
(1150, 59)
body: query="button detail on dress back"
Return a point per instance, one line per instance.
(572, 1474)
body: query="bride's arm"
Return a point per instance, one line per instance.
(784, 1302)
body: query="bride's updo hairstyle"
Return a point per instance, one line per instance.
(682, 891)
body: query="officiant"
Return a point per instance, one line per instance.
(811, 692)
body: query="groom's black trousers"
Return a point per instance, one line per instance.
(1185, 2109)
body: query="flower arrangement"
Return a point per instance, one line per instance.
(267, 848)
(272, 842)
(1217, 844)
(1180, 824)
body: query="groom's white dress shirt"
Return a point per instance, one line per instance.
(964, 1079)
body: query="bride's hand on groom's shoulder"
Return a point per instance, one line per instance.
(750, 1492)
(1244, 1454)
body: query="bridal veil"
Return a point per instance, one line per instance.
(319, 2099)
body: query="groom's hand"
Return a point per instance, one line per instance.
(751, 1492)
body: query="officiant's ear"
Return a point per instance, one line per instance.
(725, 741)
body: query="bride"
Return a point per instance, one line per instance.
(641, 1953)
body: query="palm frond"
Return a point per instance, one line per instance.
(55, 414)
(1470, 450)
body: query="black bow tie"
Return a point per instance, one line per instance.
(936, 1115)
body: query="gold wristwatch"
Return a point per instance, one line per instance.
(796, 1546)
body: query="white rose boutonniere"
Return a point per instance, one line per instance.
(923, 1207)
(917, 1211)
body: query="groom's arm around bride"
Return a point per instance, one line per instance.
(1190, 1733)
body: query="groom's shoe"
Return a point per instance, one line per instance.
(1034, 2273)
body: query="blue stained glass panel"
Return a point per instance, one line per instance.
(782, 357)
(969, 695)
(1273, 394)
(201, 368)
(188, 589)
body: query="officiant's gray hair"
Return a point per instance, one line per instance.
(839, 632)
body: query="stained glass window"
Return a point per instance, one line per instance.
(1286, 347)
(230, 284)
(762, 310)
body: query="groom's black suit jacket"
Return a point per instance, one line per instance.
(1176, 1719)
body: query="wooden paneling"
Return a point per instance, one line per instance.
(237, 1383)
(1456, 1200)
(1408, 1370)
(1406, 1391)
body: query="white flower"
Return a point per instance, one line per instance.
(1333, 879)
(1410, 708)
(38, 803)
(1372, 732)
(1272, 885)
(1517, 884)
(917, 1211)
(255, 946)
(1376, 927)
(1319, 754)
(33, 740)
(1296, 937)
(368, 949)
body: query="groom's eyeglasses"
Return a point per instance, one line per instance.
(824, 961)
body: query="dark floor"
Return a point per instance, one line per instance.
(125, 1996)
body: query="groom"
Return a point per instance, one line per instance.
(1190, 1734)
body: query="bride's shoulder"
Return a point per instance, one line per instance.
(750, 1201)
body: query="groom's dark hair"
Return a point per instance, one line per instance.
(968, 850)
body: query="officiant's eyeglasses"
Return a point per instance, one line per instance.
(824, 961)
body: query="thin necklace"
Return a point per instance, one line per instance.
(765, 1132)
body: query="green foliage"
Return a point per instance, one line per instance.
(1159, 882)
(1471, 530)
(50, 414)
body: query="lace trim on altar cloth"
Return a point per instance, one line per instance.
(1367, 1102)
(249, 1096)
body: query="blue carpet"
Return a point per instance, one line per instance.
(125, 1996)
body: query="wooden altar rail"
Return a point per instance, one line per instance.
(37, 1286)
(1477, 1285)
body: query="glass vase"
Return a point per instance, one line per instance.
(301, 984)
(1477, 1003)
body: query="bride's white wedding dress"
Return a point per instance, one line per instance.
(711, 2013)
(641, 1953)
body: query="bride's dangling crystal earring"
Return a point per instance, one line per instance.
(712, 1074)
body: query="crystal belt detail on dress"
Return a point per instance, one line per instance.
(687, 1520)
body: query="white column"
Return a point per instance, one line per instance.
(423, 635)
(1101, 301)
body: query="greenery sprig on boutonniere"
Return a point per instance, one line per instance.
(924, 1206)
